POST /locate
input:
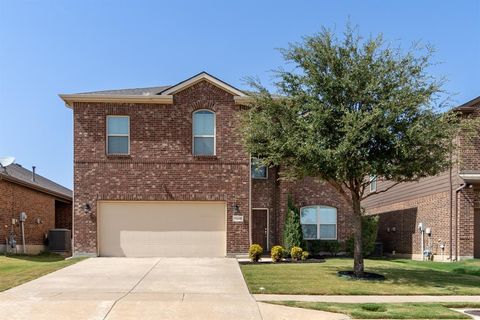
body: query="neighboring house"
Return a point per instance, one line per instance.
(162, 171)
(447, 206)
(47, 205)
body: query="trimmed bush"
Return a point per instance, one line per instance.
(369, 234)
(313, 246)
(277, 253)
(305, 255)
(255, 252)
(296, 253)
(333, 247)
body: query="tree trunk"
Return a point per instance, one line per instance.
(357, 236)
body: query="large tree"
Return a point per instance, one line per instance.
(351, 108)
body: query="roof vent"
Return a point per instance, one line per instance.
(33, 173)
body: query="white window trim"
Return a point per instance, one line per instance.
(117, 135)
(214, 136)
(318, 224)
(261, 178)
(373, 186)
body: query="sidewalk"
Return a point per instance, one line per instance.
(277, 312)
(365, 299)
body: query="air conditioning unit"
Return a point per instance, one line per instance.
(60, 240)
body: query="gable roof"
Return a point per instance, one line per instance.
(159, 94)
(469, 106)
(17, 174)
(201, 77)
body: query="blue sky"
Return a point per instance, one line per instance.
(51, 47)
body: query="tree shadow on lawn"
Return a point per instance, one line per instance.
(42, 257)
(429, 278)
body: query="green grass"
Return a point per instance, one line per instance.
(388, 310)
(403, 277)
(471, 267)
(18, 269)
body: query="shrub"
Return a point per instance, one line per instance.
(293, 236)
(255, 252)
(313, 246)
(296, 253)
(333, 247)
(305, 255)
(369, 234)
(277, 252)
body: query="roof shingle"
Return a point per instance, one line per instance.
(17, 173)
(148, 91)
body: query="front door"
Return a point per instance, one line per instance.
(259, 227)
(476, 234)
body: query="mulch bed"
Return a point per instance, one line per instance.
(473, 312)
(284, 261)
(365, 276)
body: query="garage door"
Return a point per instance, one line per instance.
(161, 229)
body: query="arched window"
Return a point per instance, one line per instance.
(204, 133)
(319, 222)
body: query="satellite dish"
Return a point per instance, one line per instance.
(6, 161)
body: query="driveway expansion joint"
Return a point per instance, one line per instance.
(133, 288)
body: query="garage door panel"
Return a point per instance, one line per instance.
(145, 229)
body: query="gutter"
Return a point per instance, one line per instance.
(69, 99)
(34, 187)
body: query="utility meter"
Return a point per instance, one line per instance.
(23, 216)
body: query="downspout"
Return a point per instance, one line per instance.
(451, 209)
(456, 218)
(250, 198)
(275, 205)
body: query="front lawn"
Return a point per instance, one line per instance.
(403, 277)
(388, 310)
(18, 269)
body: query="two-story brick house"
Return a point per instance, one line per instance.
(162, 171)
(440, 213)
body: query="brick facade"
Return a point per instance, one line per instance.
(63, 215)
(398, 225)
(41, 214)
(161, 166)
(433, 202)
(310, 191)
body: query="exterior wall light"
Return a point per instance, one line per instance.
(87, 208)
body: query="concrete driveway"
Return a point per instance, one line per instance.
(130, 288)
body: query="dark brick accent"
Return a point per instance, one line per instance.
(63, 215)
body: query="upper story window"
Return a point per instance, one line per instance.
(204, 133)
(118, 135)
(319, 222)
(259, 171)
(373, 183)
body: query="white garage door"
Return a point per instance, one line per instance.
(161, 229)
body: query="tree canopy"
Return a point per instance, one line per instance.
(351, 108)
